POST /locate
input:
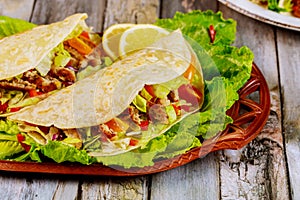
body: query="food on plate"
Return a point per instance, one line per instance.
(281, 6)
(154, 102)
(296, 8)
(43, 60)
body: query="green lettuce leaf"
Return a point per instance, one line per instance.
(32, 155)
(10, 26)
(9, 148)
(60, 152)
(219, 93)
(8, 127)
(196, 24)
(230, 62)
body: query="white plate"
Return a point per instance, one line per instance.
(257, 12)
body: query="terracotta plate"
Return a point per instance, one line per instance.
(257, 12)
(250, 114)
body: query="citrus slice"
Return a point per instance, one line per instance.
(140, 36)
(111, 38)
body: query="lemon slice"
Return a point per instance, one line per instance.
(111, 38)
(140, 36)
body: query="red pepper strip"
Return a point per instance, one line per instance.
(150, 90)
(15, 109)
(144, 125)
(21, 139)
(212, 33)
(133, 142)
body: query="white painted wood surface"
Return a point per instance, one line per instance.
(267, 168)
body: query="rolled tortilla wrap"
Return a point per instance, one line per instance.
(103, 96)
(37, 62)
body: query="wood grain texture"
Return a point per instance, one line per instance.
(131, 11)
(170, 7)
(37, 186)
(21, 9)
(115, 188)
(289, 64)
(55, 10)
(257, 171)
(196, 180)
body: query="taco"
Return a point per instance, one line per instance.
(40, 61)
(123, 106)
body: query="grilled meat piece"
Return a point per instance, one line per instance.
(17, 84)
(157, 113)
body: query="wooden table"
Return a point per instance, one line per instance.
(267, 168)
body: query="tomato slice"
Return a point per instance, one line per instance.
(3, 107)
(85, 34)
(133, 142)
(190, 93)
(150, 90)
(21, 139)
(144, 125)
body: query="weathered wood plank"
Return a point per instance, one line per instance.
(258, 170)
(21, 9)
(196, 180)
(289, 62)
(55, 10)
(115, 188)
(37, 186)
(133, 11)
(169, 7)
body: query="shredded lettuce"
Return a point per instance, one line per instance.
(9, 148)
(9, 127)
(9, 144)
(10, 26)
(62, 56)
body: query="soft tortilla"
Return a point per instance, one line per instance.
(22, 52)
(105, 94)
